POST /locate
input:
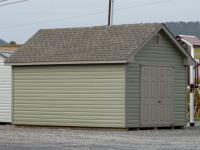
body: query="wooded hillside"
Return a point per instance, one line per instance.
(185, 28)
(2, 42)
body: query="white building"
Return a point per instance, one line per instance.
(5, 89)
(192, 45)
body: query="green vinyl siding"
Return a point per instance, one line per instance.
(164, 54)
(76, 95)
(132, 95)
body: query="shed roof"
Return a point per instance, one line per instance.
(101, 44)
(84, 44)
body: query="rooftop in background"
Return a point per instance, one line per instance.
(6, 54)
(9, 47)
(195, 41)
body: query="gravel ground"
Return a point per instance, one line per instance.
(42, 138)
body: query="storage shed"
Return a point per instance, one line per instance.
(123, 76)
(5, 89)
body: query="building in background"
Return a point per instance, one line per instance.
(9, 47)
(5, 89)
(187, 40)
(5, 82)
(192, 46)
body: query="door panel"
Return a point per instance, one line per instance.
(165, 95)
(156, 96)
(149, 92)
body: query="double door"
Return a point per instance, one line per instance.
(156, 96)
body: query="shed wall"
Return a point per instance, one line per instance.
(85, 95)
(5, 92)
(165, 54)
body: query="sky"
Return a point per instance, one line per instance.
(20, 21)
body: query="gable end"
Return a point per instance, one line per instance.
(188, 60)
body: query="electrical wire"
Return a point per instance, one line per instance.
(3, 0)
(11, 3)
(86, 15)
(53, 20)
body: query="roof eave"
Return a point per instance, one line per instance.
(67, 63)
(190, 60)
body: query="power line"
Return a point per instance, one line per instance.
(86, 15)
(54, 20)
(145, 4)
(15, 2)
(3, 0)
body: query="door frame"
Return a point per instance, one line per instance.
(172, 100)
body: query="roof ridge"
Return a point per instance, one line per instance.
(104, 26)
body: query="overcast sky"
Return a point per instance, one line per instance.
(20, 21)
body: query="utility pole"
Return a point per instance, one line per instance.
(110, 12)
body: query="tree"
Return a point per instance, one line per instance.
(12, 43)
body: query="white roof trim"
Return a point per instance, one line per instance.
(187, 35)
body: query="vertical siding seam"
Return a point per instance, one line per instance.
(173, 97)
(12, 95)
(140, 94)
(125, 103)
(186, 76)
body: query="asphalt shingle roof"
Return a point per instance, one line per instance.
(101, 43)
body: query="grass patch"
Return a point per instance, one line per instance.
(197, 118)
(197, 53)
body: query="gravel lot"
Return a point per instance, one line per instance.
(41, 138)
